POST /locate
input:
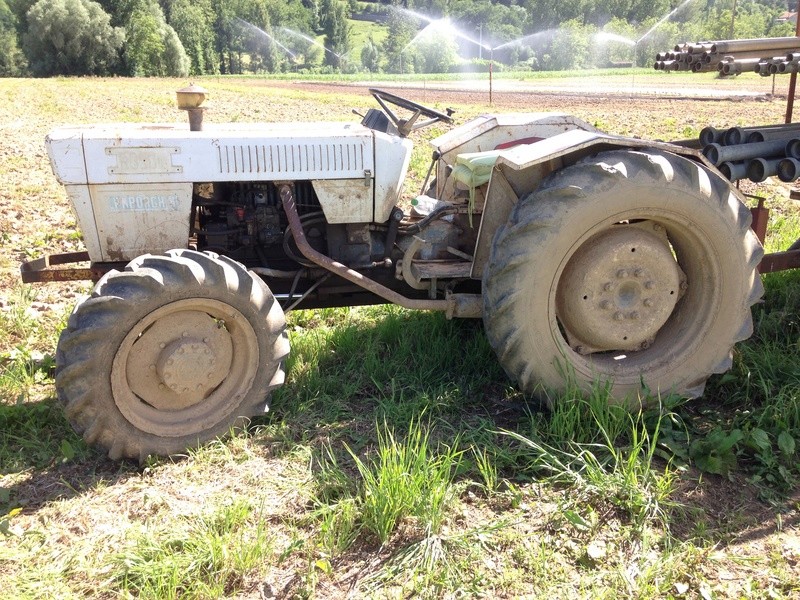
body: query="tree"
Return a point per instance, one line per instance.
(12, 61)
(152, 47)
(71, 37)
(435, 54)
(371, 56)
(244, 27)
(193, 21)
(401, 31)
(609, 49)
(336, 29)
(569, 48)
(489, 24)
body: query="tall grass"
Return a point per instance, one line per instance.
(605, 453)
(406, 478)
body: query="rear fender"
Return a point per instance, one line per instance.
(519, 170)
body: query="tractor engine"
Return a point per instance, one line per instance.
(245, 221)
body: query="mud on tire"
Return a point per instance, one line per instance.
(566, 296)
(171, 352)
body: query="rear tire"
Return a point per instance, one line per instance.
(566, 297)
(171, 352)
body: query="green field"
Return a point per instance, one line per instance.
(398, 460)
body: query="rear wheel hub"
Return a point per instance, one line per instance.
(618, 289)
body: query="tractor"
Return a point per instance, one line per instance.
(590, 257)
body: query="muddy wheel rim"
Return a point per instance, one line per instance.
(619, 288)
(184, 367)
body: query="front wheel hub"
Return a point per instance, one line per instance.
(179, 360)
(619, 288)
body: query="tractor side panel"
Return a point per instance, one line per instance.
(65, 150)
(392, 156)
(81, 202)
(132, 220)
(277, 154)
(345, 200)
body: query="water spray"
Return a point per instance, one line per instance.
(662, 19)
(303, 36)
(264, 33)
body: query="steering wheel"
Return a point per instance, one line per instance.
(406, 126)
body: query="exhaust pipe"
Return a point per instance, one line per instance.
(190, 99)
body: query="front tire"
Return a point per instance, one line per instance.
(631, 268)
(171, 352)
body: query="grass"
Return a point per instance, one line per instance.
(361, 31)
(407, 478)
(398, 461)
(29, 339)
(203, 556)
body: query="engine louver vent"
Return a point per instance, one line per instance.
(344, 159)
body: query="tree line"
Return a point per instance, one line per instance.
(196, 37)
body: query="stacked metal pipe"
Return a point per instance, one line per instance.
(755, 152)
(766, 56)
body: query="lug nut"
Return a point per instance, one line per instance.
(658, 228)
(618, 316)
(605, 305)
(608, 286)
(650, 285)
(622, 273)
(647, 302)
(634, 315)
(638, 273)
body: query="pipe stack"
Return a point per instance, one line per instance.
(754, 153)
(766, 56)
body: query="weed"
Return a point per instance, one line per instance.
(407, 478)
(487, 468)
(435, 563)
(596, 462)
